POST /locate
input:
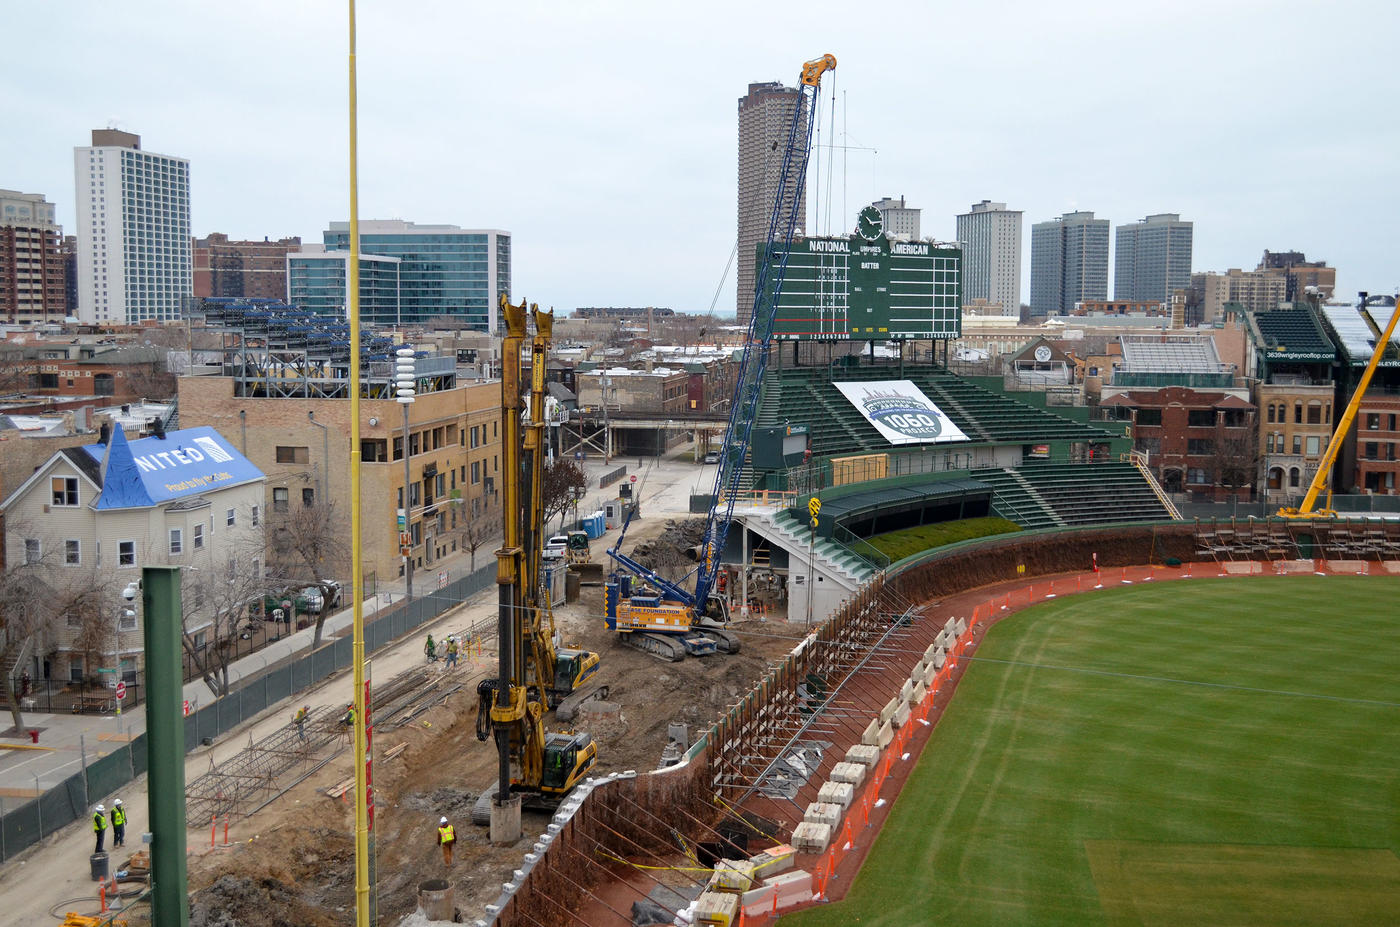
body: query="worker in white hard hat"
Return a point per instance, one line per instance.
(446, 838)
(99, 826)
(118, 824)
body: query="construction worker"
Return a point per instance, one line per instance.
(451, 652)
(99, 826)
(299, 719)
(430, 649)
(446, 838)
(118, 824)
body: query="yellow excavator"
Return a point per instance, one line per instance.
(534, 675)
(1322, 478)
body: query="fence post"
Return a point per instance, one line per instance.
(39, 805)
(82, 751)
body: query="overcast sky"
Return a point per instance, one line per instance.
(603, 135)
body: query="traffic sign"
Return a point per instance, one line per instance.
(121, 691)
(634, 478)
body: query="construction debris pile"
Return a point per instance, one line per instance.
(666, 554)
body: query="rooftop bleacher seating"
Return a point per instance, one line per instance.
(1170, 355)
(1295, 331)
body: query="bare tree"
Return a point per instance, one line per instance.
(216, 603)
(561, 479)
(476, 531)
(151, 379)
(26, 613)
(1235, 457)
(305, 544)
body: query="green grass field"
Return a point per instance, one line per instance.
(1176, 753)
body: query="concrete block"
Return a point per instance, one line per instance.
(932, 651)
(905, 690)
(790, 888)
(938, 662)
(871, 735)
(888, 711)
(950, 628)
(930, 674)
(854, 773)
(732, 875)
(886, 734)
(717, 909)
(758, 900)
(835, 793)
(811, 838)
(901, 716)
(863, 753)
(960, 627)
(916, 697)
(773, 861)
(819, 813)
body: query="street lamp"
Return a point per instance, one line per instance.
(405, 380)
(126, 613)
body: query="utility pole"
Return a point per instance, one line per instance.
(165, 744)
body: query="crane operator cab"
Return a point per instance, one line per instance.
(567, 759)
(572, 668)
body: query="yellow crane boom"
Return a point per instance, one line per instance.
(1324, 468)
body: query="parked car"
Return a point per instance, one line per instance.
(556, 548)
(712, 457)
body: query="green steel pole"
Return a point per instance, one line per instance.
(165, 745)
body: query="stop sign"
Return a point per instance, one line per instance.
(121, 690)
(634, 479)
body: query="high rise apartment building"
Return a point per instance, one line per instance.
(765, 116)
(898, 220)
(443, 272)
(990, 235)
(1069, 262)
(31, 261)
(316, 282)
(1152, 258)
(134, 246)
(242, 269)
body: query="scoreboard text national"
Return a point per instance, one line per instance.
(867, 287)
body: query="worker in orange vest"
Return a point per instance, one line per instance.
(446, 838)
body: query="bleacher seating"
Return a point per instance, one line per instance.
(1153, 354)
(806, 395)
(1293, 330)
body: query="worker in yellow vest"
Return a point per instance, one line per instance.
(99, 826)
(118, 824)
(446, 838)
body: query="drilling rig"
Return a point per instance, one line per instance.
(650, 612)
(534, 674)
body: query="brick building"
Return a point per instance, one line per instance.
(242, 268)
(32, 288)
(1377, 458)
(302, 444)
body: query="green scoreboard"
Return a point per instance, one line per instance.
(866, 287)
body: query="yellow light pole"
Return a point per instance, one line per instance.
(364, 915)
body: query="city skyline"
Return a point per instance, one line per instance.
(618, 136)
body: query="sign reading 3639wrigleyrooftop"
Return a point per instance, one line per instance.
(901, 412)
(868, 287)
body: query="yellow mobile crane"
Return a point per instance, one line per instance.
(1323, 475)
(533, 674)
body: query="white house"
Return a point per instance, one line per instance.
(91, 517)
